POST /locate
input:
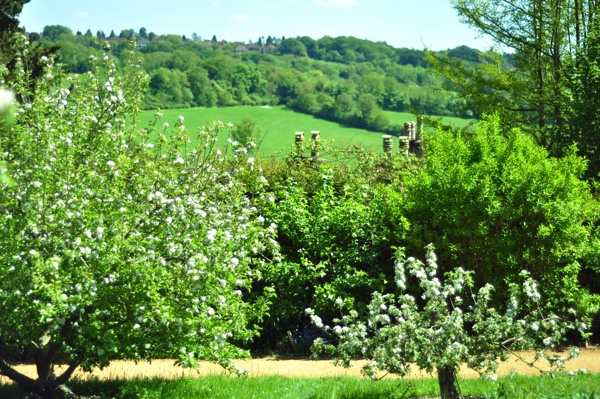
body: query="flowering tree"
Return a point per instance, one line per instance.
(115, 242)
(447, 326)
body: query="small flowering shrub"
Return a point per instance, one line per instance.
(116, 246)
(446, 326)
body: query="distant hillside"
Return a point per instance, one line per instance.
(344, 79)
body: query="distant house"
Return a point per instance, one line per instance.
(239, 49)
(142, 42)
(253, 47)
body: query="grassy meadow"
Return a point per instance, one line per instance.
(278, 125)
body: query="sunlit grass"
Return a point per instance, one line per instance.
(278, 125)
(586, 386)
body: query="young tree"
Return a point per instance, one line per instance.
(246, 131)
(115, 246)
(449, 327)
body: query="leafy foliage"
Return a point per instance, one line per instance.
(496, 203)
(335, 226)
(114, 247)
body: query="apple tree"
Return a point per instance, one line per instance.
(118, 242)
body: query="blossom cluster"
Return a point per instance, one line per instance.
(446, 326)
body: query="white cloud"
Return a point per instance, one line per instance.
(241, 18)
(331, 32)
(336, 3)
(82, 15)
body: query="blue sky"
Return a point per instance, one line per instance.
(400, 23)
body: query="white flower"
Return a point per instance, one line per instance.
(251, 161)
(37, 184)
(136, 326)
(211, 235)
(6, 100)
(166, 124)
(179, 160)
(111, 164)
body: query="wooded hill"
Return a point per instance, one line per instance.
(342, 79)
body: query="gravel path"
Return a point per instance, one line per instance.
(588, 359)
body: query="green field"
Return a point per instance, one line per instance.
(278, 125)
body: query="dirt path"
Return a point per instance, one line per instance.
(588, 359)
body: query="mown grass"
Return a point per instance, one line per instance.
(583, 386)
(278, 125)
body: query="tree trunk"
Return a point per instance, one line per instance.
(447, 382)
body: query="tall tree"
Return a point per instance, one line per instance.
(143, 33)
(545, 36)
(9, 26)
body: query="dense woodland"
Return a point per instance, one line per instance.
(342, 79)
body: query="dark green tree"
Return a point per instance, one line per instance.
(53, 32)
(9, 27)
(143, 33)
(584, 75)
(112, 34)
(127, 33)
(293, 46)
(214, 39)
